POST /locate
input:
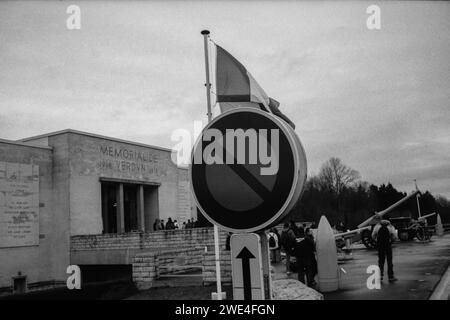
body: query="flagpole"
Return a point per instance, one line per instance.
(205, 34)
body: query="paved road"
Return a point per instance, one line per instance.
(418, 266)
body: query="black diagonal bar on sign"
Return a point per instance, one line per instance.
(248, 177)
(250, 180)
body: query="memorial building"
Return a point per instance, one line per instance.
(62, 185)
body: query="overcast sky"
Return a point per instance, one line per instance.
(377, 99)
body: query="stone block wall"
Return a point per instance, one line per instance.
(209, 267)
(169, 261)
(186, 238)
(148, 266)
(163, 249)
(144, 270)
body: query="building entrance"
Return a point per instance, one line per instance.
(128, 207)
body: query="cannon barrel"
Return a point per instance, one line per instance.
(350, 233)
(427, 216)
(388, 209)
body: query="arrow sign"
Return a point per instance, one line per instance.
(245, 255)
(246, 267)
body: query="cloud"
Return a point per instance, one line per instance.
(376, 99)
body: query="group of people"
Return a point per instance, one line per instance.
(169, 225)
(173, 224)
(298, 242)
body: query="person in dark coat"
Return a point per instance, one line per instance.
(384, 234)
(228, 242)
(287, 241)
(294, 228)
(304, 252)
(309, 234)
(169, 224)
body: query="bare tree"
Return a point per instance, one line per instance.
(335, 176)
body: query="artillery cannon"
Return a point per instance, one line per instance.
(366, 235)
(409, 228)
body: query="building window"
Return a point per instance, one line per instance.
(128, 206)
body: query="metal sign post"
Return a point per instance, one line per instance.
(219, 295)
(236, 188)
(247, 171)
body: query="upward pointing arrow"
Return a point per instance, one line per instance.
(245, 255)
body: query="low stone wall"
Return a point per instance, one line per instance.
(209, 267)
(144, 270)
(150, 253)
(168, 262)
(148, 240)
(148, 266)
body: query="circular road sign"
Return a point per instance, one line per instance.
(247, 170)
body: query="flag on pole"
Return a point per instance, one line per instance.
(236, 87)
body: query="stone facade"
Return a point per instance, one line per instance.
(72, 167)
(83, 160)
(46, 262)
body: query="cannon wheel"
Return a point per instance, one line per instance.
(423, 234)
(367, 240)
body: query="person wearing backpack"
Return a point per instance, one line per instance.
(273, 245)
(287, 241)
(384, 234)
(278, 249)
